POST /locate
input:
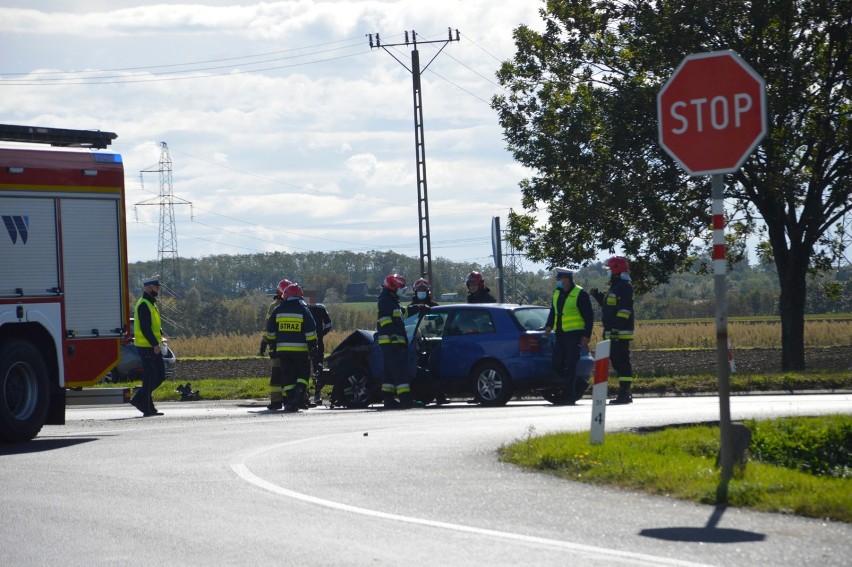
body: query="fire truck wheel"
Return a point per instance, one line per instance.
(23, 391)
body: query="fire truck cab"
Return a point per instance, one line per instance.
(64, 303)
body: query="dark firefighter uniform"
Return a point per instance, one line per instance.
(617, 320)
(392, 340)
(276, 379)
(292, 331)
(324, 325)
(571, 317)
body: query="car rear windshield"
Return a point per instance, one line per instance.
(532, 318)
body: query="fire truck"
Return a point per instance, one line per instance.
(64, 303)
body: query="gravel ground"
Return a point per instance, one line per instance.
(644, 361)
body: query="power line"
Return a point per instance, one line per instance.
(356, 42)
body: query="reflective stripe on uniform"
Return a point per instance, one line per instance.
(291, 347)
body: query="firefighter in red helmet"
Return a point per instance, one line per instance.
(617, 320)
(393, 341)
(276, 381)
(293, 331)
(476, 290)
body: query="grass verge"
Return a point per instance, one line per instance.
(248, 388)
(679, 462)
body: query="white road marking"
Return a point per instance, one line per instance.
(238, 465)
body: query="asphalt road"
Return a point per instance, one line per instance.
(226, 483)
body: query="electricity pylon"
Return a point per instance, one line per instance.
(167, 252)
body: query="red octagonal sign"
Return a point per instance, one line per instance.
(712, 112)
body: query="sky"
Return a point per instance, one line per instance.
(285, 130)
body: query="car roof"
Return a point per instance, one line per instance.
(497, 306)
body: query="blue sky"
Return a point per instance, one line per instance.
(285, 130)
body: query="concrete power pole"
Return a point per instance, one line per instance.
(419, 143)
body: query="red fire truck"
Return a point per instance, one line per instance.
(64, 304)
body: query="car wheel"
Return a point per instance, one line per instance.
(355, 388)
(23, 391)
(492, 384)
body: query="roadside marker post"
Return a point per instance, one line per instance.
(599, 390)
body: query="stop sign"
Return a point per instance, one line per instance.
(712, 112)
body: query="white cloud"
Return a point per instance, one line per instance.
(298, 137)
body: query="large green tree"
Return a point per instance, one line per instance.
(580, 112)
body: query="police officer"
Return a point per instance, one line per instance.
(147, 337)
(276, 379)
(393, 341)
(571, 316)
(617, 319)
(292, 328)
(476, 290)
(324, 325)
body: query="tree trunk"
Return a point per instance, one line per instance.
(792, 308)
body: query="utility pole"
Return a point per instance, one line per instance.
(419, 143)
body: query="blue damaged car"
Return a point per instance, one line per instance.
(488, 352)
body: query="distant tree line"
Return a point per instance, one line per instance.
(228, 294)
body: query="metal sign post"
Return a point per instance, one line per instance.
(712, 115)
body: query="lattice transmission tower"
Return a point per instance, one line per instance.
(516, 290)
(167, 246)
(167, 249)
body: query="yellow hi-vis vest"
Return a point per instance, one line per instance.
(138, 338)
(571, 318)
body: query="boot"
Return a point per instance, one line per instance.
(296, 398)
(407, 401)
(276, 397)
(624, 396)
(389, 402)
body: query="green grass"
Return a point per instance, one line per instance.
(248, 388)
(679, 462)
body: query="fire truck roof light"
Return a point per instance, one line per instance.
(101, 157)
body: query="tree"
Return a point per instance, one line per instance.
(580, 111)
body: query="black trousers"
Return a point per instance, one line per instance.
(619, 358)
(566, 354)
(153, 374)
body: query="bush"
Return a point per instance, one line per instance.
(817, 445)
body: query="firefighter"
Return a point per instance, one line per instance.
(324, 325)
(276, 380)
(477, 292)
(148, 337)
(393, 341)
(292, 328)
(422, 300)
(571, 316)
(421, 304)
(617, 319)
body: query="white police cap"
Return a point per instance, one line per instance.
(563, 272)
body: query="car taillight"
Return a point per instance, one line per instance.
(529, 343)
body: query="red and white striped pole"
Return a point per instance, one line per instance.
(723, 369)
(599, 389)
